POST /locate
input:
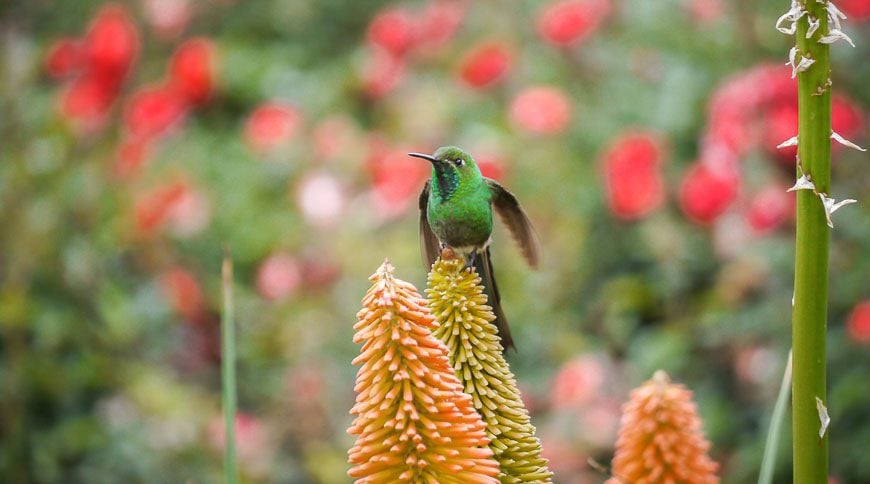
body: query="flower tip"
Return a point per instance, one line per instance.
(661, 377)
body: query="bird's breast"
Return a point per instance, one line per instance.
(460, 223)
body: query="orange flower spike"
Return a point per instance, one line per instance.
(458, 302)
(660, 437)
(413, 422)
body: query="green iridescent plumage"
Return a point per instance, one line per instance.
(456, 207)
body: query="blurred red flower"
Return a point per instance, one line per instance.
(491, 165)
(381, 72)
(577, 382)
(111, 43)
(182, 291)
(856, 10)
(780, 124)
(336, 135)
(394, 30)
(632, 172)
(131, 155)
(769, 208)
(707, 190)
(191, 70)
(847, 118)
(319, 272)
(271, 125)
(64, 57)
(485, 64)
(86, 99)
(152, 111)
(154, 207)
(570, 21)
(858, 324)
(396, 178)
(541, 110)
(705, 10)
(440, 20)
(278, 276)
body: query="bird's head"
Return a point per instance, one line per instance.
(451, 168)
(451, 159)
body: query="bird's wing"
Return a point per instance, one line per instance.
(429, 245)
(511, 213)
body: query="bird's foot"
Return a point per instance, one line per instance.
(447, 253)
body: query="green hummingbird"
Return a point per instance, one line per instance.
(456, 211)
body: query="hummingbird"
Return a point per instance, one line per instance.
(456, 207)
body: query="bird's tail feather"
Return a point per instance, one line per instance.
(483, 266)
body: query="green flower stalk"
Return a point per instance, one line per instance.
(458, 303)
(815, 25)
(413, 422)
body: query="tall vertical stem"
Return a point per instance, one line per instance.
(809, 317)
(228, 371)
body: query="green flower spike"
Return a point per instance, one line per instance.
(458, 303)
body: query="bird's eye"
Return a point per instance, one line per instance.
(459, 162)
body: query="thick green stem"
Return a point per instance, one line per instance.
(809, 318)
(228, 371)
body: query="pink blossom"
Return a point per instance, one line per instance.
(577, 382)
(571, 21)
(542, 110)
(394, 30)
(278, 276)
(769, 208)
(271, 125)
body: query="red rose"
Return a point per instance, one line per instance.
(707, 190)
(191, 70)
(86, 99)
(111, 43)
(632, 172)
(152, 111)
(65, 56)
(394, 30)
(485, 64)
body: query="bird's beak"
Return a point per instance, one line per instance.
(429, 158)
